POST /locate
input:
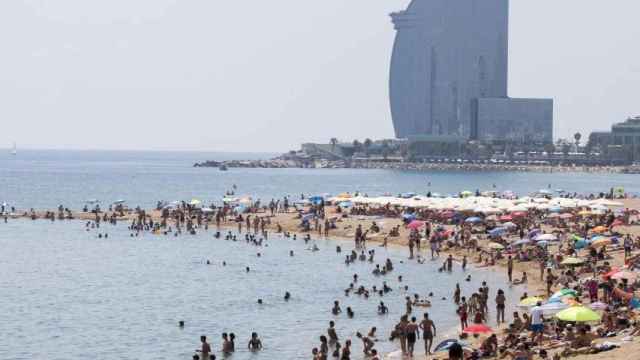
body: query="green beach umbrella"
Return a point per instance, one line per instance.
(578, 314)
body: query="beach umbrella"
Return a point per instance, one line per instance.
(522, 242)
(625, 274)
(497, 231)
(473, 219)
(562, 293)
(466, 193)
(344, 196)
(546, 237)
(345, 204)
(415, 224)
(445, 345)
(572, 261)
(598, 306)
(580, 244)
(544, 192)
(566, 216)
(578, 314)
(584, 213)
(477, 329)
(495, 246)
(506, 218)
(553, 216)
(119, 201)
(551, 308)
(617, 222)
(519, 214)
(509, 225)
(195, 202)
(530, 301)
(599, 229)
(612, 272)
(600, 242)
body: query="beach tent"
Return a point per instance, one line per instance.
(578, 314)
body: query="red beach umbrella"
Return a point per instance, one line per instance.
(519, 214)
(415, 224)
(611, 273)
(506, 218)
(477, 329)
(618, 222)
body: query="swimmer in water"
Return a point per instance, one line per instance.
(255, 344)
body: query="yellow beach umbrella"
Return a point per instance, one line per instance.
(495, 246)
(585, 213)
(530, 301)
(195, 202)
(578, 314)
(572, 261)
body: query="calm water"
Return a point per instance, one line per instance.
(46, 179)
(65, 294)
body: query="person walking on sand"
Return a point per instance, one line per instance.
(510, 268)
(427, 326)
(500, 306)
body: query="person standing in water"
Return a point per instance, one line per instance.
(412, 335)
(255, 344)
(205, 349)
(427, 326)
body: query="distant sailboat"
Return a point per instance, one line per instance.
(14, 151)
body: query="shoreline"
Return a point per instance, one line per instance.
(467, 166)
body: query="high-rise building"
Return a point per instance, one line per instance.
(449, 74)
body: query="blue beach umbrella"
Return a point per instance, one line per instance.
(497, 231)
(345, 204)
(555, 209)
(522, 242)
(473, 219)
(580, 244)
(445, 345)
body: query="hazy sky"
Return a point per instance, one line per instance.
(268, 75)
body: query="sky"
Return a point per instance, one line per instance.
(265, 76)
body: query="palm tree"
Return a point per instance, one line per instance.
(577, 136)
(385, 149)
(333, 142)
(356, 146)
(367, 145)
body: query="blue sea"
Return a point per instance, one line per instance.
(67, 294)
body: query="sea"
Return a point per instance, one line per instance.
(65, 293)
